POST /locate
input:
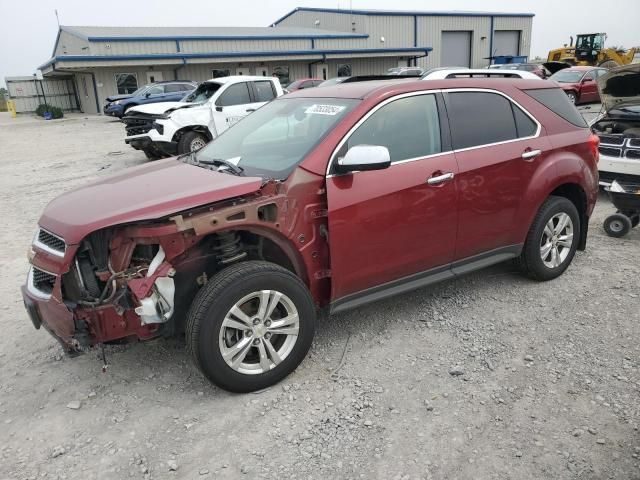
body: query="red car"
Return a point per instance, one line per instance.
(304, 83)
(579, 83)
(318, 202)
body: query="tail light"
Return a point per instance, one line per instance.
(594, 143)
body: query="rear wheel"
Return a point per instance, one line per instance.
(552, 240)
(191, 141)
(617, 225)
(250, 326)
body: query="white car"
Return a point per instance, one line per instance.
(619, 126)
(444, 73)
(170, 128)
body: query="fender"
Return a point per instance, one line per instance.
(562, 168)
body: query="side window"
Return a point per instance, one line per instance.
(155, 90)
(264, 91)
(590, 76)
(186, 87)
(172, 88)
(480, 118)
(601, 72)
(237, 94)
(408, 127)
(524, 125)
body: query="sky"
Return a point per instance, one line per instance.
(28, 29)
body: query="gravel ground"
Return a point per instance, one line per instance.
(491, 376)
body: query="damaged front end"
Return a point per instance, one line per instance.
(137, 281)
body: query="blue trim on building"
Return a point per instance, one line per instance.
(337, 36)
(272, 53)
(400, 13)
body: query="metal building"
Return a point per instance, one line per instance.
(307, 42)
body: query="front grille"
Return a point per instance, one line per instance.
(51, 241)
(610, 152)
(634, 142)
(612, 139)
(138, 125)
(633, 154)
(43, 281)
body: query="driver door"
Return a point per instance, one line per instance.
(388, 227)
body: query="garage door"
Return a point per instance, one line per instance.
(456, 49)
(506, 42)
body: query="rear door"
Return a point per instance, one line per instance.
(386, 225)
(498, 148)
(262, 91)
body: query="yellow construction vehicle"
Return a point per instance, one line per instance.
(590, 51)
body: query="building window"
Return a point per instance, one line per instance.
(282, 73)
(220, 72)
(344, 70)
(126, 83)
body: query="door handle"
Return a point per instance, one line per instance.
(438, 179)
(249, 110)
(531, 154)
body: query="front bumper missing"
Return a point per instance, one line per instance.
(146, 143)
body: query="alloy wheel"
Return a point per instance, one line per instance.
(197, 143)
(259, 332)
(557, 239)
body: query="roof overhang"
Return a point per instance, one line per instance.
(83, 61)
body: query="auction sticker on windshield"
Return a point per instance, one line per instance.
(325, 109)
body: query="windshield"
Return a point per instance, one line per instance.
(203, 93)
(564, 76)
(273, 140)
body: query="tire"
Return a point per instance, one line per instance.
(617, 225)
(191, 141)
(538, 259)
(573, 98)
(211, 327)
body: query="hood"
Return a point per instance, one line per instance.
(113, 98)
(147, 192)
(554, 67)
(620, 85)
(157, 108)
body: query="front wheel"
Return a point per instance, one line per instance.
(190, 142)
(552, 240)
(250, 326)
(573, 98)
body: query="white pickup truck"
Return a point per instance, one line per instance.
(170, 128)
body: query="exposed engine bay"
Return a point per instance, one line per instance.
(618, 137)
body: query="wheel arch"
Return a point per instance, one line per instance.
(576, 195)
(258, 244)
(192, 128)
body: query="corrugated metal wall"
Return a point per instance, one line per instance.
(28, 93)
(71, 45)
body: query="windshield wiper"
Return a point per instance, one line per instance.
(231, 167)
(228, 166)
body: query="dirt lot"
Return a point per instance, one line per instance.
(548, 387)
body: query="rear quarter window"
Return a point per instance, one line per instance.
(557, 101)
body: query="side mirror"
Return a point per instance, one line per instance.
(364, 157)
(147, 95)
(218, 108)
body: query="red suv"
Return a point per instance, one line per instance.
(320, 201)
